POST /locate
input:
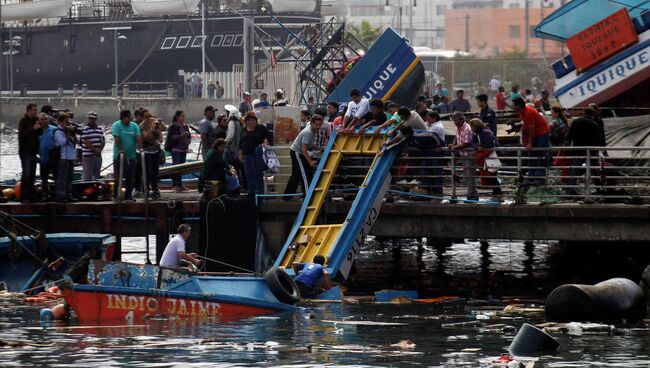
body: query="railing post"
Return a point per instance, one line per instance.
(453, 175)
(588, 176)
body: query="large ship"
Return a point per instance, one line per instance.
(58, 43)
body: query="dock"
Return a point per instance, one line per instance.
(575, 222)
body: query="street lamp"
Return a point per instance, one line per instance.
(12, 42)
(414, 4)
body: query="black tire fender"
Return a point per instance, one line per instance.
(282, 286)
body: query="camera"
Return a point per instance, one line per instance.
(55, 113)
(515, 127)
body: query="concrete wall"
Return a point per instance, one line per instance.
(11, 109)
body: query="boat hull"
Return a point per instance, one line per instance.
(95, 304)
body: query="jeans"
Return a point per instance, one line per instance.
(301, 173)
(91, 165)
(178, 158)
(46, 170)
(254, 175)
(28, 165)
(64, 179)
(137, 175)
(127, 176)
(428, 167)
(538, 160)
(152, 165)
(469, 174)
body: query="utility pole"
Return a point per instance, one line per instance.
(541, 18)
(249, 53)
(11, 62)
(467, 32)
(205, 82)
(411, 30)
(527, 27)
(117, 87)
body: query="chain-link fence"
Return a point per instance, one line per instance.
(482, 76)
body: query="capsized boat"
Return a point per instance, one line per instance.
(26, 263)
(127, 292)
(390, 70)
(609, 45)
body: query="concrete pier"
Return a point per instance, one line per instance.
(437, 222)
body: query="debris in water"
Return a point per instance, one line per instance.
(404, 344)
(471, 350)
(456, 338)
(364, 323)
(520, 309)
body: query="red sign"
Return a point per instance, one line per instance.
(602, 40)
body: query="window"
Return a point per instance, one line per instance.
(514, 31)
(440, 9)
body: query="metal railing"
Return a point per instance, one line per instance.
(544, 175)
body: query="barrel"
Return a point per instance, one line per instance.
(610, 300)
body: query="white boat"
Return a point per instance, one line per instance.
(164, 7)
(616, 73)
(35, 10)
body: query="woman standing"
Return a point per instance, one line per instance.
(151, 130)
(179, 142)
(253, 137)
(214, 165)
(485, 142)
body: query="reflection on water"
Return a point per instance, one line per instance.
(306, 338)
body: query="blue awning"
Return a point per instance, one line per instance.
(580, 14)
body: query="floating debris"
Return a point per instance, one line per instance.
(520, 309)
(404, 344)
(365, 323)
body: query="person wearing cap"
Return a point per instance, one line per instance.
(343, 108)
(175, 250)
(279, 99)
(207, 130)
(246, 103)
(92, 144)
(487, 115)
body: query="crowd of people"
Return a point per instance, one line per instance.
(235, 145)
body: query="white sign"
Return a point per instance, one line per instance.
(607, 78)
(370, 219)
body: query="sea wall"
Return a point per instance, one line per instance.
(108, 108)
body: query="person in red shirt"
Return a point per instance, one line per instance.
(534, 134)
(501, 99)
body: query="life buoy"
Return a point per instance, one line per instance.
(282, 286)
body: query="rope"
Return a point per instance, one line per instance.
(229, 265)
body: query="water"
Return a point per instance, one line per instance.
(304, 338)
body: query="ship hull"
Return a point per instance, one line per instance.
(155, 50)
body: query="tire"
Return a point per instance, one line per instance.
(282, 286)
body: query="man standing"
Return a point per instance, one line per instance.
(358, 107)
(175, 250)
(534, 134)
(66, 140)
(245, 105)
(487, 115)
(501, 99)
(583, 132)
(543, 102)
(494, 86)
(29, 130)
(46, 161)
(207, 130)
(440, 91)
(463, 145)
(220, 91)
(127, 141)
(263, 102)
(302, 165)
(460, 104)
(212, 88)
(92, 144)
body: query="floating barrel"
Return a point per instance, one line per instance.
(610, 300)
(531, 341)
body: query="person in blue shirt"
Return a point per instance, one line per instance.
(66, 139)
(46, 162)
(313, 278)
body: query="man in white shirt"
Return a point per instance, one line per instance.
(175, 249)
(358, 107)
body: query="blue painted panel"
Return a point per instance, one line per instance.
(559, 69)
(334, 295)
(385, 296)
(123, 274)
(248, 287)
(389, 52)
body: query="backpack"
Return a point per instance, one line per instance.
(168, 141)
(271, 160)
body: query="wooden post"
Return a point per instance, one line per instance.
(162, 230)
